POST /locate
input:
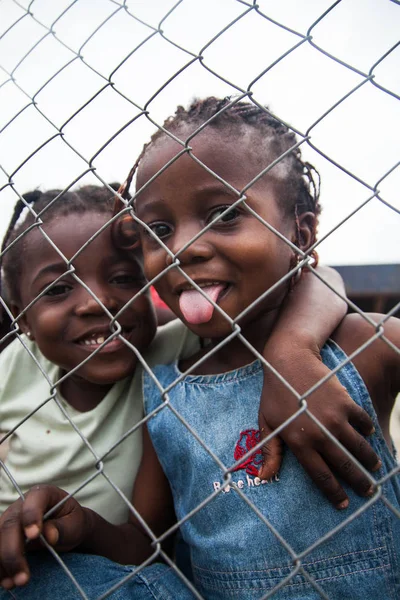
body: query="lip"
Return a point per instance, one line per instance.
(93, 339)
(202, 283)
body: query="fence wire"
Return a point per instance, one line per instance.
(40, 41)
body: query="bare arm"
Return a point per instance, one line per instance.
(379, 362)
(312, 311)
(130, 543)
(75, 527)
(310, 315)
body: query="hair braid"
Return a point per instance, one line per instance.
(301, 180)
(85, 199)
(30, 198)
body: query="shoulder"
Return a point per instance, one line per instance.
(378, 361)
(22, 368)
(173, 341)
(23, 364)
(155, 383)
(12, 349)
(18, 353)
(380, 335)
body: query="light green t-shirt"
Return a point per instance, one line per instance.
(47, 449)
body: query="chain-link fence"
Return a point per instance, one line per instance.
(84, 86)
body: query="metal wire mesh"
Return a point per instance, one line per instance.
(44, 45)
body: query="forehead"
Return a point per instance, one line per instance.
(68, 233)
(235, 159)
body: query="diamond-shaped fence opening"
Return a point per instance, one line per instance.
(83, 86)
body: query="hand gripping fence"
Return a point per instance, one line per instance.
(33, 32)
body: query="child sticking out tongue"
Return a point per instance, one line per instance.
(195, 307)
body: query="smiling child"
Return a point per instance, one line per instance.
(248, 537)
(87, 389)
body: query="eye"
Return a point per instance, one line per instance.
(232, 215)
(59, 289)
(129, 280)
(161, 230)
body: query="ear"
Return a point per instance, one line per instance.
(23, 322)
(306, 230)
(125, 233)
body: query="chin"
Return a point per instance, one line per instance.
(109, 376)
(213, 329)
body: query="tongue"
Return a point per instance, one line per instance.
(195, 307)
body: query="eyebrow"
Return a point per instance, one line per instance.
(56, 268)
(214, 188)
(152, 205)
(61, 267)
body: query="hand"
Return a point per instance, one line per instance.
(333, 407)
(64, 530)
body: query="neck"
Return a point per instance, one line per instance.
(235, 354)
(83, 395)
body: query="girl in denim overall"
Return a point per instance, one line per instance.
(249, 537)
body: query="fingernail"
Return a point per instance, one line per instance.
(21, 578)
(259, 475)
(32, 531)
(52, 536)
(370, 491)
(372, 431)
(343, 504)
(377, 466)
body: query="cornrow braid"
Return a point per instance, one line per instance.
(300, 181)
(89, 198)
(29, 198)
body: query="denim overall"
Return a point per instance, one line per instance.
(233, 551)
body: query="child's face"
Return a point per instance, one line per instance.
(238, 258)
(67, 323)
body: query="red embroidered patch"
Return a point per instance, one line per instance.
(248, 439)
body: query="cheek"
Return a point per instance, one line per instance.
(146, 315)
(267, 261)
(44, 321)
(143, 313)
(154, 263)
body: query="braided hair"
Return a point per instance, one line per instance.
(89, 198)
(300, 180)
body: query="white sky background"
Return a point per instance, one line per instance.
(361, 134)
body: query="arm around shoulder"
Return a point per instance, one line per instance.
(311, 313)
(312, 310)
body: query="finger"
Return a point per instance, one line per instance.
(37, 502)
(19, 579)
(347, 470)
(324, 479)
(51, 533)
(14, 567)
(360, 449)
(361, 420)
(271, 451)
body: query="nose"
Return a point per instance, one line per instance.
(91, 305)
(199, 250)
